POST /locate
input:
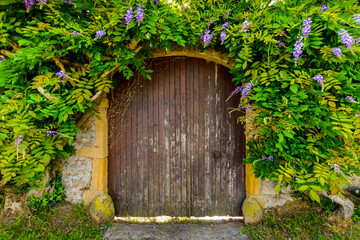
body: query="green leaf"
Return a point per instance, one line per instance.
(314, 196)
(281, 138)
(46, 157)
(294, 88)
(303, 188)
(277, 188)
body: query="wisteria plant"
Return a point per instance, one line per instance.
(296, 64)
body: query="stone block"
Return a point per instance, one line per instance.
(252, 211)
(102, 208)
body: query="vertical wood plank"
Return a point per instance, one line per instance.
(140, 155)
(155, 160)
(167, 139)
(173, 180)
(161, 150)
(183, 122)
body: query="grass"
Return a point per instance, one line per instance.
(63, 221)
(303, 222)
(297, 220)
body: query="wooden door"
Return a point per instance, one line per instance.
(174, 148)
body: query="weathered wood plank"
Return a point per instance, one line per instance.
(161, 157)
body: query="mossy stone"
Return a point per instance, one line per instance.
(102, 208)
(252, 211)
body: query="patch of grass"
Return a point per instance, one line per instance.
(63, 221)
(302, 223)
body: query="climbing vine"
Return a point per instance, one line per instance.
(296, 67)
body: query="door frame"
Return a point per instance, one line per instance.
(99, 154)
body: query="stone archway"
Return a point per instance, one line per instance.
(91, 160)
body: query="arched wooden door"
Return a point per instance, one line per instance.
(174, 148)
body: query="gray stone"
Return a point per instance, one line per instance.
(175, 231)
(345, 209)
(76, 177)
(102, 208)
(252, 211)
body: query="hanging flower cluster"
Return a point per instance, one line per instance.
(128, 16)
(320, 80)
(346, 39)
(306, 27)
(336, 168)
(223, 33)
(41, 2)
(29, 4)
(139, 14)
(299, 44)
(245, 25)
(156, 1)
(357, 18)
(337, 52)
(100, 33)
(18, 141)
(280, 43)
(69, 2)
(323, 8)
(76, 33)
(351, 99)
(206, 37)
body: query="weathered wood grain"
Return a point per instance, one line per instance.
(173, 146)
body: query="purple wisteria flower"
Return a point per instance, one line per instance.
(357, 115)
(100, 33)
(228, 14)
(156, 1)
(296, 178)
(128, 16)
(350, 98)
(18, 141)
(244, 108)
(245, 91)
(346, 39)
(245, 26)
(337, 52)
(358, 41)
(336, 168)
(139, 14)
(41, 2)
(306, 27)
(29, 4)
(357, 18)
(206, 37)
(61, 74)
(69, 2)
(225, 25)
(76, 33)
(236, 91)
(320, 79)
(280, 43)
(2, 59)
(211, 22)
(324, 8)
(298, 48)
(222, 36)
(270, 158)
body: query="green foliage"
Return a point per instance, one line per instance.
(63, 221)
(305, 127)
(303, 224)
(49, 199)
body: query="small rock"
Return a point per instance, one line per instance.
(102, 208)
(252, 211)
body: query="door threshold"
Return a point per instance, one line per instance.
(169, 219)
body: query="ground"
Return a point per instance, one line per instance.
(296, 220)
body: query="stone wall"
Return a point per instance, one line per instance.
(85, 173)
(76, 170)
